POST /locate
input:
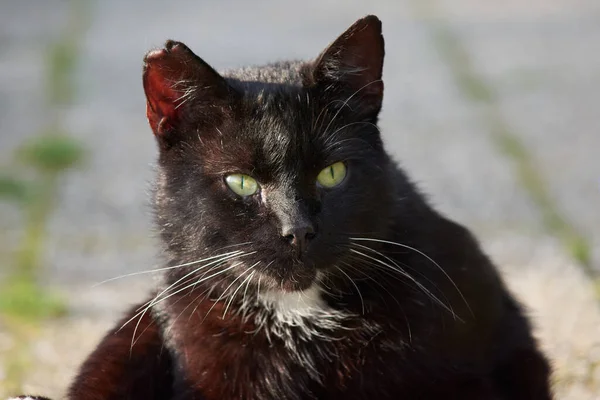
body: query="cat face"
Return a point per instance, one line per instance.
(269, 170)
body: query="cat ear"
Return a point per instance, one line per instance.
(181, 87)
(355, 61)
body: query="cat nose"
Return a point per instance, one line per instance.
(299, 235)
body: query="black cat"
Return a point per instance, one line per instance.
(302, 263)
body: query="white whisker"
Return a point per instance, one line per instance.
(407, 275)
(400, 265)
(345, 103)
(224, 292)
(158, 298)
(238, 288)
(166, 268)
(357, 289)
(427, 257)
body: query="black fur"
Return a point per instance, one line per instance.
(422, 312)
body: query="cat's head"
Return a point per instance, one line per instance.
(266, 173)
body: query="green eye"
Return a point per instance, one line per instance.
(332, 175)
(242, 185)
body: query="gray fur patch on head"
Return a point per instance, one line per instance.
(284, 72)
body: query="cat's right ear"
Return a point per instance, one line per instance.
(182, 89)
(353, 64)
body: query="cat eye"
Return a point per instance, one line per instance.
(332, 175)
(242, 185)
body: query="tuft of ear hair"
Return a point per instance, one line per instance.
(354, 63)
(180, 87)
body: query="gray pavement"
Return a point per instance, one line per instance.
(539, 58)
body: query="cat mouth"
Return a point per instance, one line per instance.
(298, 278)
(300, 282)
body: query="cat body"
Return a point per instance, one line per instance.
(304, 348)
(302, 263)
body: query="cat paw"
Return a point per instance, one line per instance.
(28, 398)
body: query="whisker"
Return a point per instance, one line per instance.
(345, 103)
(167, 268)
(400, 265)
(428, 258)
(206, 294)
(244, 296)
(238, 288)
(331, 138)
(354, 268)
(157, 299)
(222, 294)
(388, 292)
(199, 281)
(357, 289)
(178, 283)
(195, 271)
(407, 275)
(258, 286)
(143, 312)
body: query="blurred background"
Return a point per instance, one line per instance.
(492, 107)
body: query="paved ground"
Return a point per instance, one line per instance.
(538, 58)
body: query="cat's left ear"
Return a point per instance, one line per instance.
(182, 91)
(354, 63)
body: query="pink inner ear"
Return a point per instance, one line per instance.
(174, 75)
(160, 106)
(163, 69)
